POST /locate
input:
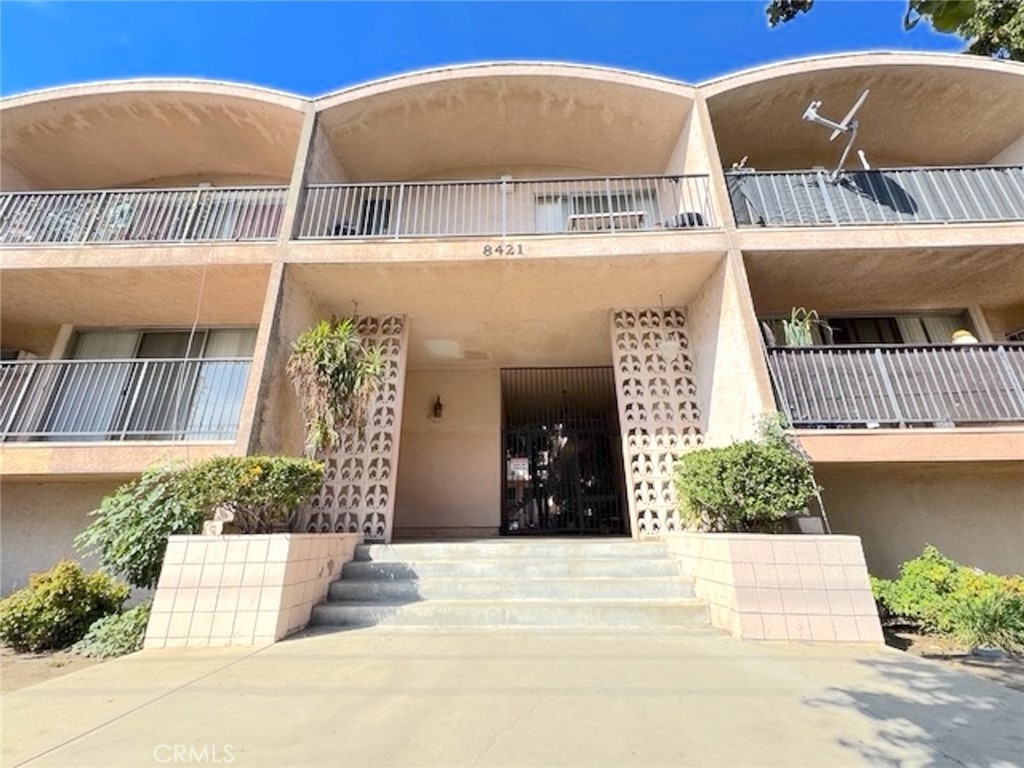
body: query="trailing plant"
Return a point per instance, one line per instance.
(262, 493)
(747, 486)
(131, 526)
(939, 595)
(335, 373)
(57, 607)
(117, 634)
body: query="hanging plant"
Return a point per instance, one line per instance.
(335, 373)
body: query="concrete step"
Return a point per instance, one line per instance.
(589, 614)
(513, 568)
(508, 548)
(661, 587)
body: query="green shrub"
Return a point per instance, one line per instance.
(117, 634)
(746, 486)
(263, 492)
(131, 526)
(940, 595)
(921, 593)
(991, 620)
(57, 607)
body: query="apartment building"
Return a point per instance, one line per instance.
(575, 273)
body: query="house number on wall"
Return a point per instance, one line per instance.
(503, 249)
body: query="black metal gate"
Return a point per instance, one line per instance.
(561, 452)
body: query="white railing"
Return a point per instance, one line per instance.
(142, 215)
(506, 207)
(896, 195)
(152, 399)
(895, 385)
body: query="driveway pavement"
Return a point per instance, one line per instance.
(516, 698)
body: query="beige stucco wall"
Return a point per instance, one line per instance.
(1011, 153)
(449, 468)
(732, 385)
(1004, 320)
(324, 166)
(973, 513)
(38, 522)
(37, 339)
(278, 426)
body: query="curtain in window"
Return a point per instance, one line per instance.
(88, 401)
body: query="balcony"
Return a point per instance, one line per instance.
(892, 196)
(506, 207)
(899, 386)
(119, 400)
(199, 214)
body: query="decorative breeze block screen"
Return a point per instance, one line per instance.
(358, 494)
(658, 412)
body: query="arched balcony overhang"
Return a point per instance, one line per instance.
(526, 120)
(148, 133)
(923, 110)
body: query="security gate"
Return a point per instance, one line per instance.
(561, 452)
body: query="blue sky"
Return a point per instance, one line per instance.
(311, 48)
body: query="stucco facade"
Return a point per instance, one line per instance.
(494, 218)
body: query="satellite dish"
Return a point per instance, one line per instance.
(848, 125)
(847, 122)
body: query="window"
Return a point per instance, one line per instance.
(191, 384)
(931, 328)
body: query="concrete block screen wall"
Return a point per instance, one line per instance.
(243, 590)
(764, 587)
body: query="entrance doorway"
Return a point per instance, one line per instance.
(561, 452)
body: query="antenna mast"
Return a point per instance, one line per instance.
(847, 125)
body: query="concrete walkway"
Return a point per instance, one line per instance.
(516, 698)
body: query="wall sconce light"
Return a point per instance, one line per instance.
(438, 409)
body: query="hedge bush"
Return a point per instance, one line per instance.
(57, 607)
(131, 527)
(117, 634)
(747, 486)
(263, 492)
(939, 595)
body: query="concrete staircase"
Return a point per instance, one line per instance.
(582, 583)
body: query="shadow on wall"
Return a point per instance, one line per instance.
(924, 714)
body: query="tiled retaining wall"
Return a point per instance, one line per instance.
(786, 587)
(243, 590)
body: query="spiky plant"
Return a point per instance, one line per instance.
(335, 373)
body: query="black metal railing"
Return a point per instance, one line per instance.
(895, 385)
(897, 195)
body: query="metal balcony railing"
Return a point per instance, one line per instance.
(142, 215)
(896, 386)
(152, 399)
(506, 207)
(893, 196)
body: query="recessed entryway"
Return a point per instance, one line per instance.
(561, 449)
